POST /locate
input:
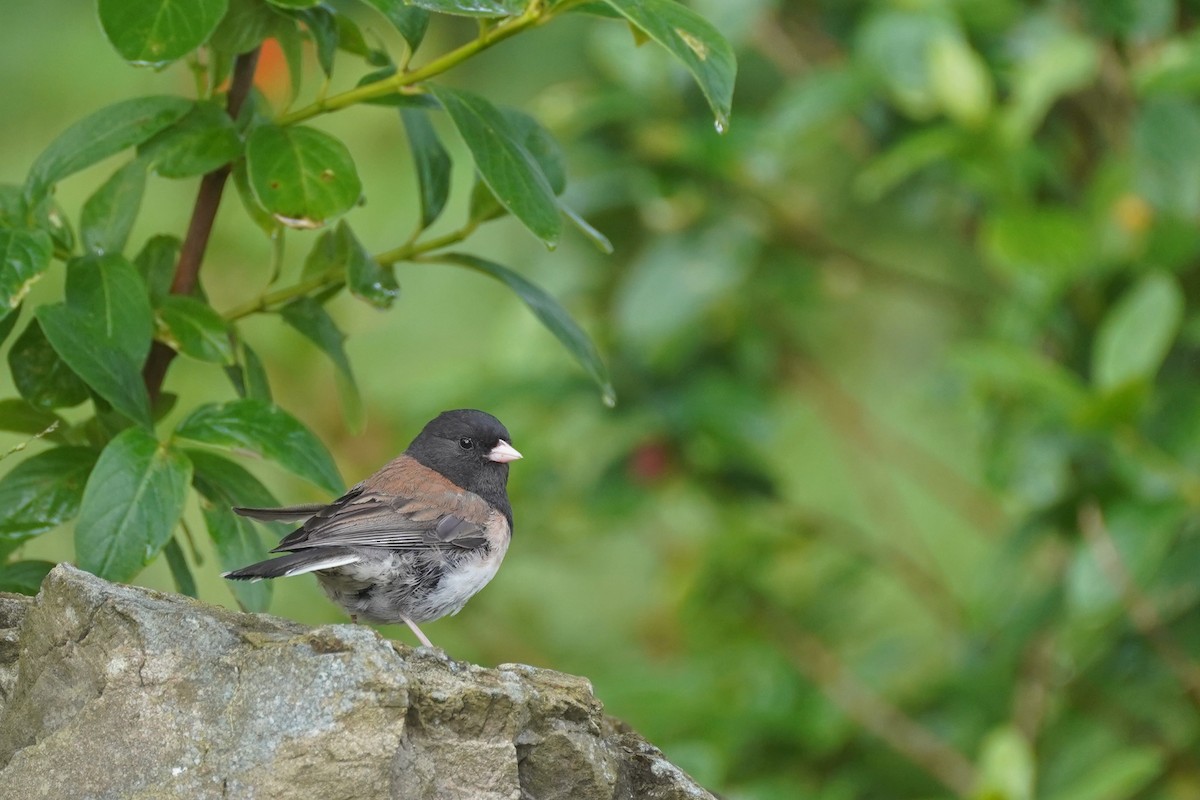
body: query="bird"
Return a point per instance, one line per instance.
(416, 540)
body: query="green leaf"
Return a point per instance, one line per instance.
(550, 313)
(695, 42)
(1135, 335)
(1120, 774)
(301, 176)
(895, 45)
(594, 236)
(540, 144)
(338, 252)
(108, 215)
(323, 29)
(156, 264)
(1166, 166)
(99, 135)
(365, 277)
(431, 161)
(41, 493)
(242, 29)
(156, 32)
(1053, 244)
(472, 8)
(267, 431)
(1006, 766)
(194, 328)
(181, 573)
(104, 330)
(261, 217)
(249, 377)
(410, 20)
(24, 577)
(222, 484)
(308, 317)
(24, 258)
(20, 416)
(350, 40)
(8, 323)
(131, 505)
(961, 80)
(294, 4)
(40, 375)
(1056, 61)
(46, 215)
(505, 165)
(203, 140)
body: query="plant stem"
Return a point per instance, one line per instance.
(204, 212)
(534, 15)
(327, 280)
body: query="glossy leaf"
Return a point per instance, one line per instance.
(194, 328)
(243, 28)
(540, 144)
(409, 19)
(131, 505)
(259, 215)
(99, 135)
(311, 320)
(108, 215)
(103, 331)
(46, 215)
(1135, 335)
(505, 165)
(202, 141)
(24, 258)
(302, 176)
(550, 313)
(594, 236)
(249, 377)
(323, 29)
(156, 264)
(431, 161)
(694, 41)
(223, 484)
(473, 8)
(156, 32)
(40, 375)
(24, 577)
(294, 4)
(339, 253)
(41, 493)
(21, 416)
(181, 573)
(265, 430)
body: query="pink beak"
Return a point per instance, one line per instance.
(503, 452)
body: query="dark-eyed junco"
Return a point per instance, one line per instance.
(413, 542)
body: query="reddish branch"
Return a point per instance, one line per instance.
(204, 212)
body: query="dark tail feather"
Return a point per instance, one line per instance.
(295, 564)
(287, 514)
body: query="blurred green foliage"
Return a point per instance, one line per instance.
(899, 499)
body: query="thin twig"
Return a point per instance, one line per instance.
(1141, 611)
(204, 212)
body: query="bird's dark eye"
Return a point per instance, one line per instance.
(466, 443)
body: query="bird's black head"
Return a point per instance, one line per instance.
(472, 449)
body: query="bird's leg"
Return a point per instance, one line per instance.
(412, 626)
(354, 619)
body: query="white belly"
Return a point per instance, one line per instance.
(461, 584)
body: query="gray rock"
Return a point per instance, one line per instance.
(110, 691)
